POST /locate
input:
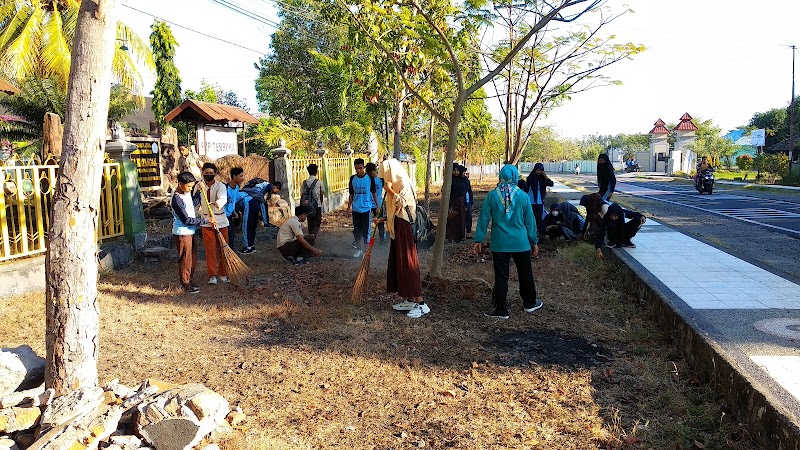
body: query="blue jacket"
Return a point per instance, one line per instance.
(510, 235)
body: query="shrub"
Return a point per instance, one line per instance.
(744, 162)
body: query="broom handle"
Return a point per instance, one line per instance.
(213, 221)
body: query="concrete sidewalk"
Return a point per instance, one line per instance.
(726, 312)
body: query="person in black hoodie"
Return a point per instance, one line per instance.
(456, 223)
(614, 227)
(468, 202)
(537, 184)
(606, 179)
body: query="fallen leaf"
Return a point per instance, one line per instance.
(698, 444)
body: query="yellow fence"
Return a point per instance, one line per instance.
(338, 174)
(299, 174)
(26, 200)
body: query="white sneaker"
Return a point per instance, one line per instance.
(212, 280)
(419, 310)
(358, 254)
(224, 279)
(405, 305)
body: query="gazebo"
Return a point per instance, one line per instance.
(216, 125)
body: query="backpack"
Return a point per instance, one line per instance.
(420, 223)
(308, 200)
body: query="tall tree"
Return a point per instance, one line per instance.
(36, 39)
(73, 313)
(433, 31)
(167, 90)
(306, 77)
(556, 64)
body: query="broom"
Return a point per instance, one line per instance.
(236, 268)
(363, 272)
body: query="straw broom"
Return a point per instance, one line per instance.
(363, 272)
(236, 268)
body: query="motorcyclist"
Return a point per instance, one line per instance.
(702, 166)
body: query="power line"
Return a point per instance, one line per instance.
(194, 31)
(246, 12)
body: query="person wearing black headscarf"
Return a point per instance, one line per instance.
(456, 223)
(537, 184)
(612, 227)
(468, 202)
(606, 179)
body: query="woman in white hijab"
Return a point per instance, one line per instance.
(402, 275)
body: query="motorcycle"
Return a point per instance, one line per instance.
(633, 168)
(705, 182)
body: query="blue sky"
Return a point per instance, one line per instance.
(717, 59)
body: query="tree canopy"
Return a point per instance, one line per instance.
(36, 40)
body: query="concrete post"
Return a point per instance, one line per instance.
(283, 171)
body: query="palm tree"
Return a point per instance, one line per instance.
(36, 40)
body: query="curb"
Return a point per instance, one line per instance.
(748, 392)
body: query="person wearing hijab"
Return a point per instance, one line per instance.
(468, 202)
(537, 184)
(513, 237)
(593, 204)
(456, 223)
(606, 179)
(612, 227)
(402, 273)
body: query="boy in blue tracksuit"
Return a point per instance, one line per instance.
(513, 237)
(372, 170)
(184, 223)
(363, 199)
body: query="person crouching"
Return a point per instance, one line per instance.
(296, 246)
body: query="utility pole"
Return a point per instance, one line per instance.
(791, 115)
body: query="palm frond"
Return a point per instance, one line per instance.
(20, 47)
(56, 53)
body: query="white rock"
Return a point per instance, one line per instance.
(20, 368)
(6, 443)
(126, 441)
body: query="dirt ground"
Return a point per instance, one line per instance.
(312, 370)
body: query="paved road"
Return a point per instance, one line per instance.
(760, 227)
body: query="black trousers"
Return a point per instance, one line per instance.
(360, 227)
(619, 233)
(538, 213)
(468, 218)
(527, 287)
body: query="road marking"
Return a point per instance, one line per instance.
(780, 327)
(652, 194)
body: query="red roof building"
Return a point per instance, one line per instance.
(659, 128)
(686, 124)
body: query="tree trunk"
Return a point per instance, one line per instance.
(428, 167)
(71, 265)
(441, 227)
(398, 124)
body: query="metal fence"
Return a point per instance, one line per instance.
(26, 201)
(338, 173)
(586, 166)
(298, 172)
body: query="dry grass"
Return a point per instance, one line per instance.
(311, 370)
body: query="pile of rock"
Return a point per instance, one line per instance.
(154, 415)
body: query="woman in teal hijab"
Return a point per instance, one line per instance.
(513, 237)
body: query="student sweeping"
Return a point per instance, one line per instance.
(513, 236)
(402, 272)
(217, 195)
